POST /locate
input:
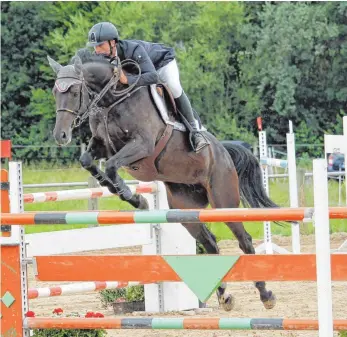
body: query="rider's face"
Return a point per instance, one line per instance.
(104, 48)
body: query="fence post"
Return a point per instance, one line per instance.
(300, 174)
(14, 303)
(293, 190)
(323, 256)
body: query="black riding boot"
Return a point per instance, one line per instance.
(186, 110)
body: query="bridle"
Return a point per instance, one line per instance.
(85, 110)
(85, 96)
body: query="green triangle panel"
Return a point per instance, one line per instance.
(201, 273)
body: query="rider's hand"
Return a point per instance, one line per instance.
(123, 79)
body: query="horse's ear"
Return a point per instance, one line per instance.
(55, 65)
(78, 65)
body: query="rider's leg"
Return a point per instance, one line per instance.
(169, 74)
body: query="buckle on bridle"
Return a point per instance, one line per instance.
(77, 122)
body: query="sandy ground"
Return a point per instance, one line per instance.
(294, 299)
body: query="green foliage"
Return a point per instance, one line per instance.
(208, 60)
(294, 67)
(28, 107)
(108, 296)
(342, 333)
(135, 293)
(237, 61)
(69, 332)
(24, 27)
(130, 294)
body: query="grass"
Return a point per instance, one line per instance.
(32, 176)
(279, 192)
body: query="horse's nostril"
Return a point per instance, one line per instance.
(63, 135)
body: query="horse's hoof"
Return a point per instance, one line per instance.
(143, 204)
(270, 303)
(227, 302)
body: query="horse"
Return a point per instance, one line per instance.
(129, 132)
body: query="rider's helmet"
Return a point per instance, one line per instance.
(101, 32)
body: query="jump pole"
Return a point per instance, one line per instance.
(198, 323)
(85, 193)
(77, 288)
(167, 216)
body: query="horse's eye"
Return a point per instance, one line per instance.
(75, 94)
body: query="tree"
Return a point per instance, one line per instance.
(24, 28)
(28, 107)
(294, 68)
(205, 39)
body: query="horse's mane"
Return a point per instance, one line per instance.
(87, 56)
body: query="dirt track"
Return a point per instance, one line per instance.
(294, 299)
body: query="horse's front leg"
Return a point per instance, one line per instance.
(96, 150)
(116, 184)
(133, 151)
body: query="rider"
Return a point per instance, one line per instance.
(157, 62)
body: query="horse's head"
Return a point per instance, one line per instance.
(71, 99)
(74, 88)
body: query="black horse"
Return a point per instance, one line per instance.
(128, 132)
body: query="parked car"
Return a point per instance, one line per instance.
(336, 163)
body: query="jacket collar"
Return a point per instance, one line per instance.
(120, 51)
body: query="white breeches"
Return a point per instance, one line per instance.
(170, 76)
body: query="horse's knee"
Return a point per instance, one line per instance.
(86, 160)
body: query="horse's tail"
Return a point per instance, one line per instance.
(252, 191)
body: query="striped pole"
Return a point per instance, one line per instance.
(198, 323)
(167, 216)
(274, 162)
(77, 288)
(87, 193)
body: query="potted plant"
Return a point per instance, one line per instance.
(124, 300)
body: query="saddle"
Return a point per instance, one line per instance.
(163, 99)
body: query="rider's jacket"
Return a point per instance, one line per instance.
(149, 56)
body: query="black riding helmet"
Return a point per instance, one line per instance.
(101, 32)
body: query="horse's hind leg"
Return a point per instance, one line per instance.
(182, 197)
(223, 192)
